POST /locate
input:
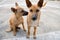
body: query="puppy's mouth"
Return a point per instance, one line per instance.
(25, 13)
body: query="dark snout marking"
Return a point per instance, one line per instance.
(34, 17)
(25, 13)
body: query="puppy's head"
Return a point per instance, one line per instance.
(19, 11)
(34, 9)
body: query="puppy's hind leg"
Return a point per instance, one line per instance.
(9, 29)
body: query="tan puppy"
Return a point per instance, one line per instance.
(33, 16)
(17, 19)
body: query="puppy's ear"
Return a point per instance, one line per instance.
(16, 4)
(40, 3)
(14, 10)
(28, 3)
(44, 4)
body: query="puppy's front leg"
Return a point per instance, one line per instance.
(14, 30)
(23, 27)
(28, 33)
(34, 33)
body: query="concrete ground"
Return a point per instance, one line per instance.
(49, 28)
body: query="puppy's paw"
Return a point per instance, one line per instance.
(25, 30)
(14, 34)
(8, 30)
(28, 37)
(34, 37)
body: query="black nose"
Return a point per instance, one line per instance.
(34, 18)
(25, 13)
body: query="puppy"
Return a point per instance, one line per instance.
(17, 19)
(33, 16)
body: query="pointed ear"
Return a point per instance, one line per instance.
(44, 4)
(13, 10)
(28, 3)
(40, 3)
(16, 4)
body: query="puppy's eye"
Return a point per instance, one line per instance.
(22, 11)
(37, 10)
(31, 10)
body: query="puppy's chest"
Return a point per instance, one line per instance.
(19, 21)
(34, 23)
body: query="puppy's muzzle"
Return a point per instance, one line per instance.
(25, 13)
(34, 17)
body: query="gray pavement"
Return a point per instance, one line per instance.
(49, 28)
